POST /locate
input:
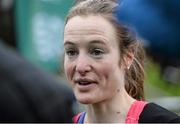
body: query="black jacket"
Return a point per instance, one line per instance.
(153, 113)
(28, 94)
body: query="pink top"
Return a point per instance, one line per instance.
(132, 116)
(134, 112)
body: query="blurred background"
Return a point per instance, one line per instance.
(35, 29)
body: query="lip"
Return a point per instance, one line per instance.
(85, 84)
(84, 81)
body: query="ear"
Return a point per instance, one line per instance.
(128, 60)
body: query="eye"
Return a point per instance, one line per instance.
(97, 52)
(71, 52)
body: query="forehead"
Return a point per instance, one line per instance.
(87, 22)
(89, 25)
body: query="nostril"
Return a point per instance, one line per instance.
(83, 69)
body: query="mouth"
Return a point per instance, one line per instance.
(85, 82)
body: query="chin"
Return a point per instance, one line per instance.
(86, 97)
(84, 100)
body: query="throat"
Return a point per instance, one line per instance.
(114, 117)
(105, 115)
(111, 111)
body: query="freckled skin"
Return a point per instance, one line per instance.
(105, 70)
(118, 112)
(118, 90)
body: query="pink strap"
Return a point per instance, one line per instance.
(135, 111)
(75, 118)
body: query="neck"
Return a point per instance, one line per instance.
(111, 110)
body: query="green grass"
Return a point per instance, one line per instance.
(154, 78)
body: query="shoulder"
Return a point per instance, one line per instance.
(155, 113)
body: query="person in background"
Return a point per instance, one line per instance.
(104, 63)
(28, 94)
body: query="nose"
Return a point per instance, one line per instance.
(83, 65)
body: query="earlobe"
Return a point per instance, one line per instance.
(129, 57)
(128, 67)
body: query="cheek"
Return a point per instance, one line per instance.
(105, 73)
(110, 73)
(107, 70)
(68, 69)
(108, 81)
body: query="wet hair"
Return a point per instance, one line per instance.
(128, 43)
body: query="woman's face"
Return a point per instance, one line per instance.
(92, 59)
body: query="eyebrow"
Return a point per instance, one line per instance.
(97, 42)
(91, 42)
(68, 43)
